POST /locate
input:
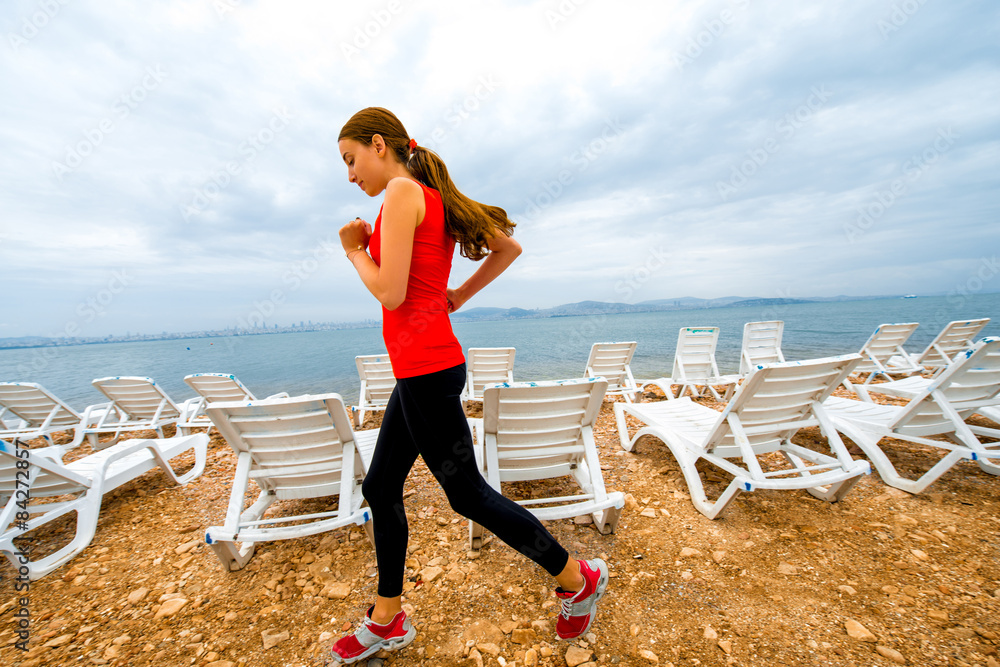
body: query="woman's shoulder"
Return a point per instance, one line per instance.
(403, 186)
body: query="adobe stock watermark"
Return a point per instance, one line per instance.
(89, 309)
(562, 12)
(900, 15)
(371, 30)
(913, 169)
(459, 112)
(32, 25)
(121, 108)
(581, 159)
(248, 150)
(785, 128)
(959, 296)
(775, 311)
(987, 270)
(711, 30)
(293, 278)
(656, 259)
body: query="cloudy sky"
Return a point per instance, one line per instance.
(172, 165)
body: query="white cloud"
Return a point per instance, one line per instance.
(173, 101)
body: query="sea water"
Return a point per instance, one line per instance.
(547, 349)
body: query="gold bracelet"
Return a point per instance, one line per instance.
(348, 253)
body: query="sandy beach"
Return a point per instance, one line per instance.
(780, 578)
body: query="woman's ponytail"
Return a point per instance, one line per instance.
(471, 223)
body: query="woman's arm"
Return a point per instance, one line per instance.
(402, 210)
(503, 251)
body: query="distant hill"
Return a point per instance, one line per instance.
(470, 315)
(608, 308)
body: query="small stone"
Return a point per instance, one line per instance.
(110, 653)
(963, 633)
(61, 640)
(847, 589)
(489, 647)
(531, 658)
(137, 596)
(990, 662)
(631, 504)
(221, 663)
(919, 554)
(338, 590)
(483, 631)
(577, 656)
(891, 654)
(787, 569)
(648, 512)
(170, 607)
(649, 656)
(890, 590)
(688, 552)
(186, 547)
(718, 556)
(583, 520)
(726, 646)
(710, 633)
(272, 638)
(857, 631)
(523, 636)
(429, 574)
(508, 626)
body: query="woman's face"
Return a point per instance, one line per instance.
(363, 165)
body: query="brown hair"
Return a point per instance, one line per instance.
(471, 223)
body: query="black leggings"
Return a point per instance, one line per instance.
(425, 417)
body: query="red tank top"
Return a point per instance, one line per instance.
(418, 334)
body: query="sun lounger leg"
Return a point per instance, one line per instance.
(607, 520)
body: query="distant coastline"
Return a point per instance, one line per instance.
(581, 308)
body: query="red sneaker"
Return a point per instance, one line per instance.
(580, 608)
(371, 638)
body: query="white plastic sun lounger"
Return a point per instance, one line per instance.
(938, 408)
(136, 404)
(211, 388)
(292, 448)
(611, 361)
(544, 430)
(485, 366)
(695, 366)
(28, 411)
(956, 337)
(38, 474)
(761, 345)
(377, 383)
(772, 404)
(886, 342)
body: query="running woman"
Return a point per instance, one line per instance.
(405, 262)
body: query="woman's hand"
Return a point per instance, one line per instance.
(455, 300)
(355, 233)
